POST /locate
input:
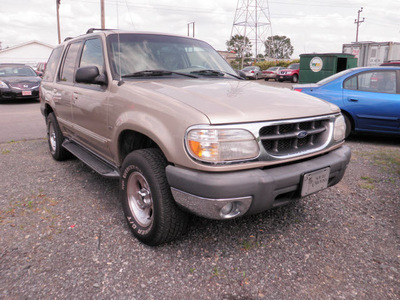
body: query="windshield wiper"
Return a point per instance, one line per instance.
(214, 73)
(154, 73)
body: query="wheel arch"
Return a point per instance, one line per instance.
(131, 140)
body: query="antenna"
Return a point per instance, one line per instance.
(252, 20)
(119, 49)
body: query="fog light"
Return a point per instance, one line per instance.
(227, 208)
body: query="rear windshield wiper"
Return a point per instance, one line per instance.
(214, 73)
(154, 73)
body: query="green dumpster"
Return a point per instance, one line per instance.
(317, 66)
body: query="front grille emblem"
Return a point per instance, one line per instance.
(302, 134)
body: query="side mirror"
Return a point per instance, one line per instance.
(90, 74)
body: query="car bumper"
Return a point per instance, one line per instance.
(211, 195)
(18, 94)
(284, 77)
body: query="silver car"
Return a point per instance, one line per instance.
(253, 72)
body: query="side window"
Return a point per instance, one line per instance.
(52, 64)
(92, 54)
(351, 83)
(380, 82)
(376, 81)
(68, 67)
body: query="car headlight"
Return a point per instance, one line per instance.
(221, 145)
(3, 85)
(340, 128)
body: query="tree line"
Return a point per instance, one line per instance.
(276, 47)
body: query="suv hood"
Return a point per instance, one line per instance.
(223, 100)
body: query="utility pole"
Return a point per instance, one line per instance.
(103, 22)
(357, 21)
(58, 20)
(191, 23)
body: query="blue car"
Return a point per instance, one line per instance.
(369, 97)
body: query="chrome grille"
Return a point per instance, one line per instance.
(290, 138)
(25, 85)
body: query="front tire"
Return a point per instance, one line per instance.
(295, 78)
(150, 210)
(55, 139)
(348, 126)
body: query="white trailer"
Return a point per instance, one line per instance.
(373, 53)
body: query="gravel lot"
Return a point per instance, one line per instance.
(63, 236)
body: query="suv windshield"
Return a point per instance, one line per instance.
(294, 66)
(133, 53)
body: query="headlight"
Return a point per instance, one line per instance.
(221, 145)
(340, 129)
(3, 85)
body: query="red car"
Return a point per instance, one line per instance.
(290, 73)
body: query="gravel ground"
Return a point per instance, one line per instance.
(63, 236)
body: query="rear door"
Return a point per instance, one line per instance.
(64, 87)
(373, 100)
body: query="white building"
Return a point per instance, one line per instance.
(29, 53)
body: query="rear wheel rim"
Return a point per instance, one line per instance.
(140, 199)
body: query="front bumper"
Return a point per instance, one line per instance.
(250, 191)
(19, 94)
(284, 77)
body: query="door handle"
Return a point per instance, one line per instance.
(353, 100)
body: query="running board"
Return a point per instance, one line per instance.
(90, 159)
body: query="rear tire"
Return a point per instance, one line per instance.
(55, 139)
(150, 210)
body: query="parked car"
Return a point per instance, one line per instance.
(291, 73)
(391, 63)
(369, 97)
(252, 72)
(183, 133)
(18, 81)
(271, 73)
(40, 68)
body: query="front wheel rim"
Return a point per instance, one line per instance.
(52, 138)
(140, 199)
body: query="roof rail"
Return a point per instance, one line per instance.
(68, 38)
(91, 30)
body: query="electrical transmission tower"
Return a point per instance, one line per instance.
(252, 20)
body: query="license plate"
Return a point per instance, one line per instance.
(26, 93)
(315, 181)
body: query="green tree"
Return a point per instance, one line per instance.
(278, 47)
(241, 45)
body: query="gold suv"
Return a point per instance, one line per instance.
(170, 118)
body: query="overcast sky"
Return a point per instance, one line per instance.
(312, 25)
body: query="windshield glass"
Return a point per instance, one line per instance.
(131, 53)
(333, 77)
(294, 66)
(16, 71)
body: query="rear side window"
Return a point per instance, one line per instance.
(68, 67)
(52, 64)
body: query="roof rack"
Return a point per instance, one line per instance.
(91, 30)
